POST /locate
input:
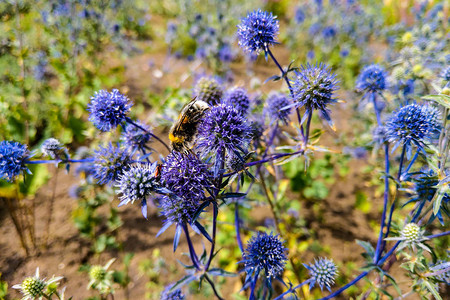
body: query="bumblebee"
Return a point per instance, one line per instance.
(184, 130)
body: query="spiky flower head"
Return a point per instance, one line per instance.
(53, 148)
(323, 272)
(238, 98)
(223, 127)
(136, 138)
(167, 294)
(445, 74)
(110, 162)
(108, 109)
(186, 177)
(258, 31)
(411, 235)
(97, 273)
(414, 123)
(372, 79)
(275, 109)
(137, 183)
(33, 287)
(13, 157)
(101, 278)
(379, 135)
(265, 252)
(209, 90)
(314, 87)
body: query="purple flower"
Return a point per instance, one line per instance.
(275, 109)
(372, 79)
(238, 98)
(258, 31)
(110, 163)
(323, 272)
(13, 157)
(108, 109)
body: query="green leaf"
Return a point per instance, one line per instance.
(432, 290)
(443, 100)
(394, 283)
(367, 246)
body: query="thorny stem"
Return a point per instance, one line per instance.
(291, 90)
(438, 235)
(213, 287)
(146, 131)
(308, 123)
(439, 272)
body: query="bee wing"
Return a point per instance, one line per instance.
(183, 114)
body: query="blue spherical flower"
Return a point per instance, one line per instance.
(238, 98)
(110, 162)
(314, 88)
(13, 156)
(223, 127)
(137, 183)
(445, 74)
(226, 54)
(323, 272)
(265, 252)
(299, 15)
(186, 177)
(413, 123)
(372, 79)
(52, 147)
(329, 32)
(174, 295)
(275, 109)
(258, 31)
(136, 138)
(108, 109)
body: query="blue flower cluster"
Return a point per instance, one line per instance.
(265, 252)
(314, 88)
(238, 98)
(110, 162)
(372, 79)
(224, 127)
(13, 157)
(174, 295)
(323, 272)
(186, 177)
(108, 109)
(258, 31)
(135, 138)
(413, 124)
(277, 107)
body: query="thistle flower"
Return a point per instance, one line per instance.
(33, 287)
(329, 32)
(314, 87)
(238, 98)
(258, 31)
(275, 109)
(174, 295)
(134, 137)
(223, 127)
(13, 157)
(265, 252)
(108, 109)
(101, 278)
(110, 162)
(323, 272)
(416, 124)
(186, 177)
(379, 135)
(226, 54)
(209, 90)
(425, 189)
(372, 79)
(52, 147)
(137, 183)
(411, 235)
